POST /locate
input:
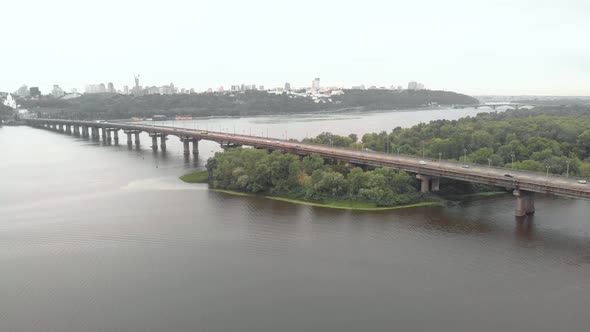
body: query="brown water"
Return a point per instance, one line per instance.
(103, 238)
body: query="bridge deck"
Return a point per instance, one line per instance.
(530, 181)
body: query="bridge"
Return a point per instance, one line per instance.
(494, 105)
(524, 184)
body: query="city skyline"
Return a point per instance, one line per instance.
(471, 47)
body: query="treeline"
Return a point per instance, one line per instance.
(534, 139)
(311, 178)
(116, 106)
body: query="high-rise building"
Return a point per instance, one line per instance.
(315, 84)
(288, 86)
(261, 87)
(110, 88)
(57, 92)
(101, 88)
(34, 92)
(125, 89)
(413, 85)
(420, 86)
(23, 91)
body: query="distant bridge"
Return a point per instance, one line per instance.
(524, 184)
(494, 105)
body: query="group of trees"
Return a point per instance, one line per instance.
(558, 138)
(310, 178)
(117, 106)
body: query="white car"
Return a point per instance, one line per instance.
(582, 181)
(465, 166)
(422, 162)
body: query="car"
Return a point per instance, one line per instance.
(422, 162)
(508, 176)
(297, 145)
(466, 166)
(582, 181)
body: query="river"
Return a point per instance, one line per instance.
(106, 238)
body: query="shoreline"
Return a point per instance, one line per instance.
(333, 205)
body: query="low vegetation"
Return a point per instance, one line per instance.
(196, 177)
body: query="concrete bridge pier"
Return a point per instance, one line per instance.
(85, 131)
(137, 137)
(163, 139)
(76, 130)
(195, 146)
(525, 202)
(95, 133)
(115, 135)
(129, 139)
(68, 129)
(154, 141)
(186, 145)
(424, 182)
(435, 184)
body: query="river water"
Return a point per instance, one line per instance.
(105, 238)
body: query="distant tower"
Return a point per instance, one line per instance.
(136, 89)
(315, 84)
(288, 86)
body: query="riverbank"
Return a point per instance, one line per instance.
(341, 205)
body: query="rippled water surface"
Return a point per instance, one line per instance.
(106, 238)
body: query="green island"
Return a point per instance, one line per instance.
(310, 181)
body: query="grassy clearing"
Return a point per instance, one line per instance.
(196, 177)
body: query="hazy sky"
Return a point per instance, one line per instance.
(470, 46)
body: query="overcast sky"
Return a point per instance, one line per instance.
(533, 47)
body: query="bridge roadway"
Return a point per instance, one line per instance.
(524, 183)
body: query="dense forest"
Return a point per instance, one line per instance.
(534, 139)
(311, 178)
(117, 106)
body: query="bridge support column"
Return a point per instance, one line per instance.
(137, 138)
(154, 137)
(195, 146)
(107, 135)
(425, 182)
(186, 145)
(163, 139)
(85, 131)
(525, 202)
(115, 135)
(68, 129)
(129, 140)
(94, 133)
(435, 184)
